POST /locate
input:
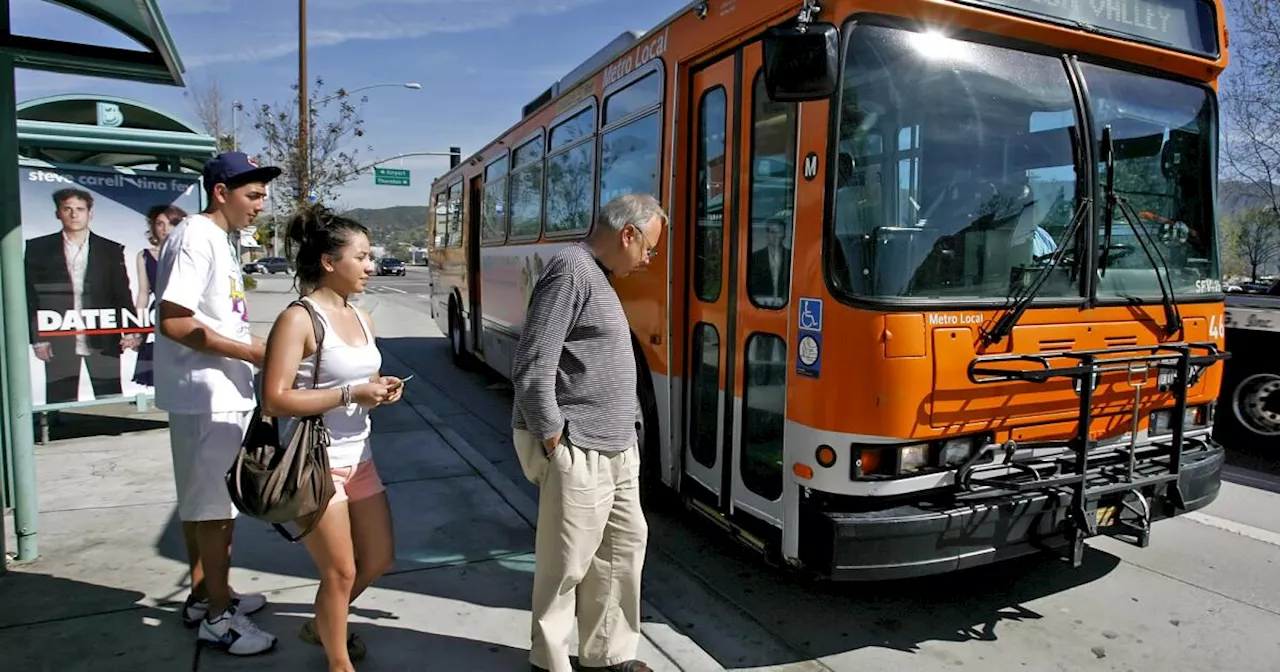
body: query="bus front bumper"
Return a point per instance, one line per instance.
(910, 541)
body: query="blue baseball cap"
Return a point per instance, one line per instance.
(235, 169)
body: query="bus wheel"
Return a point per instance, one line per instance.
(1256, 403)
(649, 443)
(456, 344)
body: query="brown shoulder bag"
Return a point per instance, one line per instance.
(284, 484)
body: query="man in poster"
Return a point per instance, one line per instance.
(58, 268)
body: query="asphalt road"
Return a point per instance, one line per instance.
(1205, 595)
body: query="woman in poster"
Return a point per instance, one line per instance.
(160, 220)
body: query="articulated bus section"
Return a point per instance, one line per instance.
(940, 283)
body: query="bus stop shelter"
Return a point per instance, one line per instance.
(155, 61)
(113, 134)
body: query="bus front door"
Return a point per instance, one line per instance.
(742, 194)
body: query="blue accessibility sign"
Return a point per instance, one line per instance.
(810, 317)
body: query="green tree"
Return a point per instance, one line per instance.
(1255, 238)
(1251, 136)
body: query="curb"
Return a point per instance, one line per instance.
(679, 648)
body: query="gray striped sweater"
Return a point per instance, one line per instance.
(574, 366)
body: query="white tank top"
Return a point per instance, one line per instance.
(341, 364)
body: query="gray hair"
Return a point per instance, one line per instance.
(633, 208)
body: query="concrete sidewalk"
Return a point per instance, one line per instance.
(105, 593)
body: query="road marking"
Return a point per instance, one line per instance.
(1265, 536)
(424, 296)
(392, 289)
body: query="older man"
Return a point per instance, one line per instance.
(574, 431)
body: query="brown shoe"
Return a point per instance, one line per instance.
(628, 666)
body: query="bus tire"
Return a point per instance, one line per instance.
(1255, 401)
(457, 345)
(647, 437)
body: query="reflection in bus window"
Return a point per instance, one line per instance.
(440, 222)
(577, 127)
(708, 247)
(629, 159)
(569, 178)
(455, 215)
(704, 408)
(637, 96)
(773, 188)
(526, 191)
(494, 213)
(1163, 134)
(956, 174)
(763, 421)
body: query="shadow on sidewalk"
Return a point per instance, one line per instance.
(109, 632)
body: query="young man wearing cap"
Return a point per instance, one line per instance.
(204, 359)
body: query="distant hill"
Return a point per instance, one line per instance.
(1235, 197)
(389, 226)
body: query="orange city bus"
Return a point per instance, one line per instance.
(941, 284)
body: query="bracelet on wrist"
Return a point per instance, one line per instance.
(346, 395)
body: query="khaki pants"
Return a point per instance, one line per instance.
(589, 553)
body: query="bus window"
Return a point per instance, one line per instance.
(763, 420)
(708, 247)
(526, 191)
(773, 188)
(959, 184)
(571, 174)
(493, 221)
(629, 158)
(635, 97)
(1163, 134)
(440, 222)
(705, 404)
(455, 215)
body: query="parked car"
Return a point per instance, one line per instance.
(274, 265)
(390, 266)
(254, 267)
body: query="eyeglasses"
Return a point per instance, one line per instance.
(650, 251)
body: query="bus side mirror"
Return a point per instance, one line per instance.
(802, 65)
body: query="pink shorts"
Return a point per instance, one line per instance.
(356, 483)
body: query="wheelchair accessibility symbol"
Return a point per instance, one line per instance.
(810, 314)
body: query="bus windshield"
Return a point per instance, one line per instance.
(959, 171)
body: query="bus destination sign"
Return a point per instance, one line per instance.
(1183, 24)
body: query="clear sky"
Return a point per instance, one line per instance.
(479, 62)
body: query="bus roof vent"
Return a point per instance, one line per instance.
(611, 51)
(542, 99)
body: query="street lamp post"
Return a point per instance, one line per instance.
(304, 147)
(344, 93)
(304, 109)
(453, 152)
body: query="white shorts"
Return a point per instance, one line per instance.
(204, 447)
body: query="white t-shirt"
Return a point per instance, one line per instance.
(198, 270)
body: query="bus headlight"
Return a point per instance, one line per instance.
(1162, 420)
(955, 451)
(913, 458)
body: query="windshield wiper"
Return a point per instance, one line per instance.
(1007, 321)
(1173, 317)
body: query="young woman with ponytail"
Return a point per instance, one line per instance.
(352, 545)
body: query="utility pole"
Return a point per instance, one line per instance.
(304, 111)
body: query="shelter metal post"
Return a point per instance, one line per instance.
(13, 299)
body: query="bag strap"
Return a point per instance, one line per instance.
(318, 327)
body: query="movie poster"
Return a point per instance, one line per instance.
(92, 236)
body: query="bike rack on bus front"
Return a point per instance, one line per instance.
(1186, 361)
